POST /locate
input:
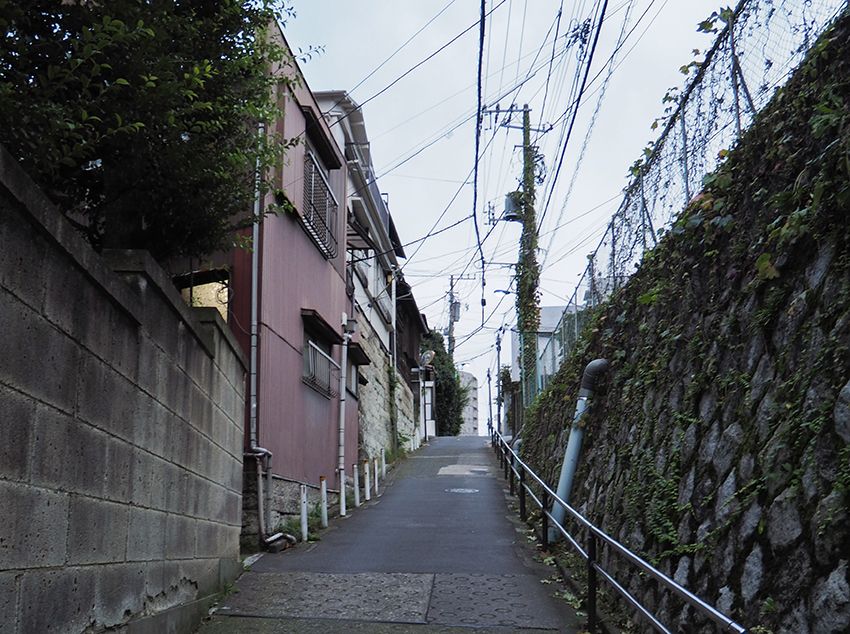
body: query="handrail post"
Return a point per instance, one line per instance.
(511, 471)
(544, 504)
(505, 462)
(522, 514)
(591, 583)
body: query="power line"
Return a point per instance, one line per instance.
(395, 52)
(575, 108)
(477, 148)
(415, 66)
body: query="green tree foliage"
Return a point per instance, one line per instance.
(451, 396)
(134, 115)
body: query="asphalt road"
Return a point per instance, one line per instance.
(438, 551)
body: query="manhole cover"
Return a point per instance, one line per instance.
(461, 490)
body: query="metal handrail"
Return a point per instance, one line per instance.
(514, 466)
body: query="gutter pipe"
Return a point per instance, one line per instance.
(343, 382)
(262, 455)
(592, 372)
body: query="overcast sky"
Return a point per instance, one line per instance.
(436, 103)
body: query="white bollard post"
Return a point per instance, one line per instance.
(376, 477)
(323, 487)
(356, 471)
(304, 533)
(383, 463)
(367, 484)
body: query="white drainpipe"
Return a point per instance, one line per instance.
(343, 379)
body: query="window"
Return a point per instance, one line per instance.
(319, 368)
(319, 214)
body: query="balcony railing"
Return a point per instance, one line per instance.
(319, 215)
(319, 369)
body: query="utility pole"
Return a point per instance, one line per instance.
(454, 315)
(499, 381)
(454, 311)
(489, 404)
(528, 270)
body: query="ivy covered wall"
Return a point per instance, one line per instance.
(719, 442)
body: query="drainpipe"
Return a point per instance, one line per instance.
(394, 346)
(262, 455)
(347, 331)
(592, 372)
(255, 268)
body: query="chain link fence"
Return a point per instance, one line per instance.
(758, 45)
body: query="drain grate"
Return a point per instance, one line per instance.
(461, 490)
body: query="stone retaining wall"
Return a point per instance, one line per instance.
(121, 411)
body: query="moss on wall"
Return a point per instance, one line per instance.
(718, 446)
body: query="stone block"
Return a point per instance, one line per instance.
(830, 603)
(107, 399)
(783, 521)
(202, 573)
(201, 411)
(32, 533)
(146, 535)
(211, 539)
(150, 367)
(841, 414)
(179, 445)
(17, 414)
(120, 464)
(57, 601)
(233, 508)
(179, 537)
(97, 531)
(8, 602)
(38, 359)
(830, 528)
(160, 576)
(177, 496)
(198, 500)
(153, 425)
(78, 307)
(171, 476)
(68, 454)
(22, 257)
(119, 593)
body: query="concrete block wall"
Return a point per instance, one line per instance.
(121, 411)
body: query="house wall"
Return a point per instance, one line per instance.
(298, 424)
(121, 414)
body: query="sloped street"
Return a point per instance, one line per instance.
(437, 552)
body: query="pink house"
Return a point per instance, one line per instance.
(298, 270)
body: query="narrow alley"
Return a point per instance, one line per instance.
(438, 551)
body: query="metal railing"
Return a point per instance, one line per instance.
(319, 215)
(522, 481)
(318, 370)
(752, 56)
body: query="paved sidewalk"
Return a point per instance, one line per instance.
(437, 552)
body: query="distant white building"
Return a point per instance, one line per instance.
(470, 412)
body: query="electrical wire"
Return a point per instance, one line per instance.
(477, 154)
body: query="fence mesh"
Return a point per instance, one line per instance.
(756, 50)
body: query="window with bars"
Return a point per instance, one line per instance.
(319, 369)
(320, 208)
